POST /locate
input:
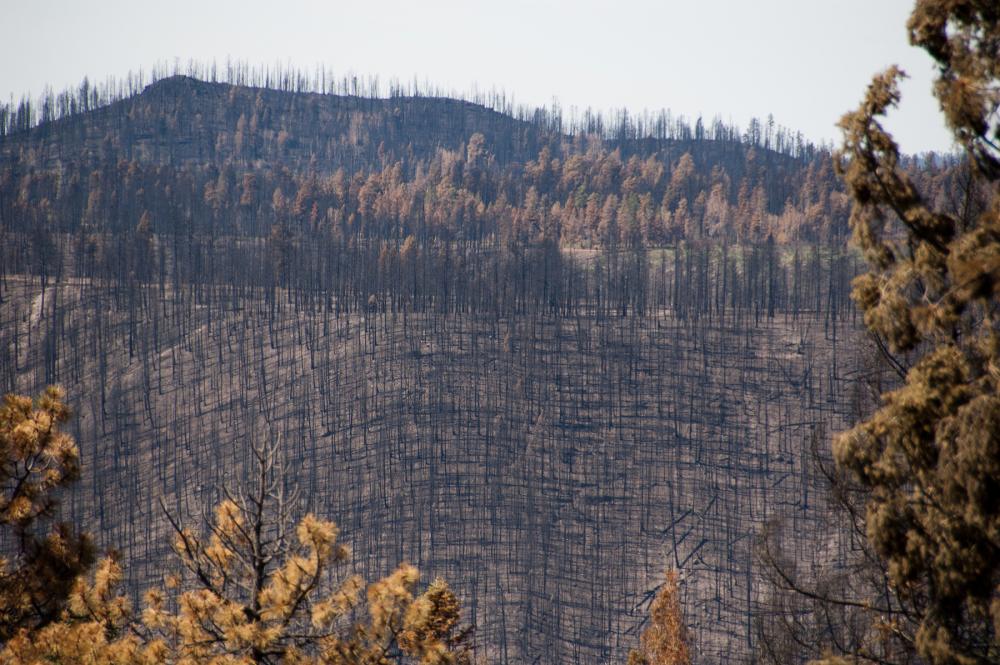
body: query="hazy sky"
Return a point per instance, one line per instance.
(805, 61)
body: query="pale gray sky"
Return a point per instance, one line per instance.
(805, 61)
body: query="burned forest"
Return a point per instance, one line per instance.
(541, 358)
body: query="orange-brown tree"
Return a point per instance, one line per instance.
(255, 586)
(665, 639)
(37, 461)
(929, 456)
(259, 587)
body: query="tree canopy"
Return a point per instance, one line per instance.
(929, 457)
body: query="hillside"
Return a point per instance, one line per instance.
(205, 157)
(543, 366)
(549, 467)
(180, 120)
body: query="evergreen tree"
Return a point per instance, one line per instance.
(259, 588)
(255, 587)
(665, 640)
(37, 460)
(929, 457)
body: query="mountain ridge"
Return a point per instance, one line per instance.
(683, 184)
(475, 117)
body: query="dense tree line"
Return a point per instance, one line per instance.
(208, 159)
(425, 166)
(89, 96)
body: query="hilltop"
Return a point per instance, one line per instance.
(217, 145)
(180, 120)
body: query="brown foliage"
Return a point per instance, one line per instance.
(37, 459)
(262, 589)
(929, 457)
(665, 640)
(255, 588)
